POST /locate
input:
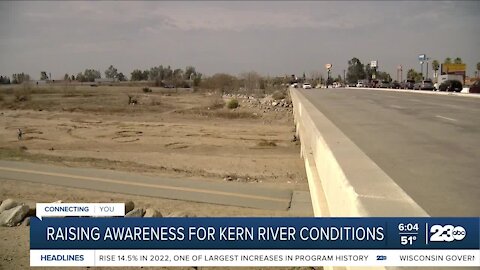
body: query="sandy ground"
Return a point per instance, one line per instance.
(170, 133)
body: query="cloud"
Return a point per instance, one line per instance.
(225, 19)
(190, 18)
(271, 36)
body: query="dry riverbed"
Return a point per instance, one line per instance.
(172, 133)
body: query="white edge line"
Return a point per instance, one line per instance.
(446, 118)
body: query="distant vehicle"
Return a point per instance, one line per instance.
(424, 85)
(451, 86)
(294, 85)
(360, 84)
(384, 84)
(336, 85)
(475, 87)
(408, 84)
(416, 86)
(372, 84)
(446, 77)
(395, 85)
(307, 86)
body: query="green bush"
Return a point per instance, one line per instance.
(232, 104)
(146, 90)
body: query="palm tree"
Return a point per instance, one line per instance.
(448, 60)
(458, 60)
(435, 66)
(478, 69)
(411, 74)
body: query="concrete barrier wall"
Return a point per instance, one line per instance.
(343, 180)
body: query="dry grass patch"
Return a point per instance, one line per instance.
(216, 103)
(267, 143)
(219, 113)
(278, 95)
(70, 91)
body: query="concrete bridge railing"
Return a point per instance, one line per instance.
(343, 180)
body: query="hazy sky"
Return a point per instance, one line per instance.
(271, 37)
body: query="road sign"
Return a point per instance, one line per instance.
(328, 66)
(374, 64)
(422, 57)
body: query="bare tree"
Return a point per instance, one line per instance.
(251, 81)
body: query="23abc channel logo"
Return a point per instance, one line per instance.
(447, 233)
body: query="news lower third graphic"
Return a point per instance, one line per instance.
(99, 235)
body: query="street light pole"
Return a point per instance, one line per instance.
(421, 69)
(328, 77)
(426, 72)
(399, 73)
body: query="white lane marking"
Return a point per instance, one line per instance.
(446, 118)
(397, 107)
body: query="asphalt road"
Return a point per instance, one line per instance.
(229, 193)
(428, 144)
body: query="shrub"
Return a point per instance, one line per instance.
(22, 94)
(232, 104)
(155, 101)
(147, 90)
(266, 143)
(278, 95)
(69, 90)
(216, 103)
(184, 84)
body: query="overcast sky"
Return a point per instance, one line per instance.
(271, 37)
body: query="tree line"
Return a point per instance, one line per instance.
(166, 75)
(17, 78)
(358, 71)
(418, 76)
(160, 75)
(189, 76)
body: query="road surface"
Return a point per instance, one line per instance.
(428, 144)
(236, 194)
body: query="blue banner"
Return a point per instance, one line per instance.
(254, 233)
